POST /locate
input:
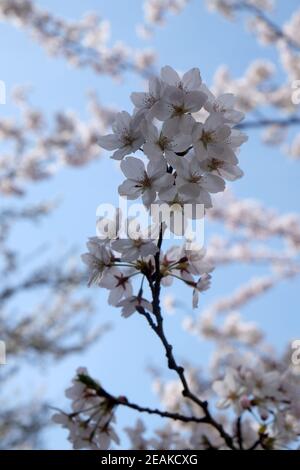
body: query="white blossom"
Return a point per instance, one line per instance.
(145, 182)
(230, 389)
(98, 259)
(119, 285)
(193, 183)
(133, 248)
(126, 138)
(90, 422)
(130, 305)
(166, 140)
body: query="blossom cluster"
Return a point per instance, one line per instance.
(258, 88)
(114, 264)
(184, 158)
(183, 161)
(267, 395)
(155, 12)
(82, 43)
(261, 394)
(36, 147)
(90, 424)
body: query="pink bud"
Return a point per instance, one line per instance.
(122, 399)
(245, 402)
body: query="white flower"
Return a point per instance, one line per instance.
(201, 285)
(193, 183)
(127, 136)
(133, 248)
(166, 140)
(263, 384)
(181, 105)
(198, 265)
(223, 105)
(151, 104)
(142, 182)
(130, 305)
(230, 389)
(184, 263)
(190, 81)
(119, 285)
(227, 170)
(90, 423)
(98, 259)
(209, 139)
(135, 434)
(285, 428)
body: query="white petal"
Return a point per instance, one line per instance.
(153, 151)
(194, 100)
(128, 188)
(154, 87)
(109, 142)
(162, 110)
(191, 80)
(213, 183)
(181, 143)
(164, 182)
(174, 160)
(231, 172)
(115, 296)
(149, 196)
(139, 99)
(133, 168)
(119, 154)
(122, 122)
(170, 76)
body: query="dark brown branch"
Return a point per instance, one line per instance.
(123, 401)
(162, 414)
(239, 432)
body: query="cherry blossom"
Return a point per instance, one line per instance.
(131, 305)
(90, 422)
(119, 285)
(164, 141)
(133, 248)
(144, 182)
(149, 102)
(190, 81)
(126, 137)
(230, 389)
(192, 182)
(98, 259)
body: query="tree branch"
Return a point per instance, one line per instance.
(244, 5)
(260, 123)
(158, 328)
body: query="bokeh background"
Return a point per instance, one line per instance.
(121, 357)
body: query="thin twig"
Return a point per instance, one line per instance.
(278, 32)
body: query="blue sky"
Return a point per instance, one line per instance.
(194, 38)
